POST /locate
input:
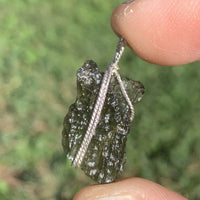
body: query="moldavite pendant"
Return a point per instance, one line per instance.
(97, 124)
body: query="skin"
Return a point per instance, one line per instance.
(128, 189)
(164, 32)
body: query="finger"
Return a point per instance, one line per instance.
(127, 189)
(165, 32)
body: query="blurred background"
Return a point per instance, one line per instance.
(42, 44)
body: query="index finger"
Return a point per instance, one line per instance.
(165, 32)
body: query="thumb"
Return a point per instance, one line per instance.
(127, 189)
(165, 32)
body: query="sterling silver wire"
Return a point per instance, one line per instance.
(110, 71)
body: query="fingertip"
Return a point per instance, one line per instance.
(130, 188)
(91, 192)
(164, 32)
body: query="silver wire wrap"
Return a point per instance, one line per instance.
(110, 71)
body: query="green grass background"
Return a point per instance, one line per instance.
(42, 44)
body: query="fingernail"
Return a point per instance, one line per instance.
(127, 2)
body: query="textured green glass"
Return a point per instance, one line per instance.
(105, 156)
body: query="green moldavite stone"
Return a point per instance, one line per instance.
(105, 156)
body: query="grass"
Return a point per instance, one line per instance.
(42, 44)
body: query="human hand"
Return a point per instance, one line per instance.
(165, 32)
(128, 189)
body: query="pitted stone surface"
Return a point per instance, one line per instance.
(106, 155)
